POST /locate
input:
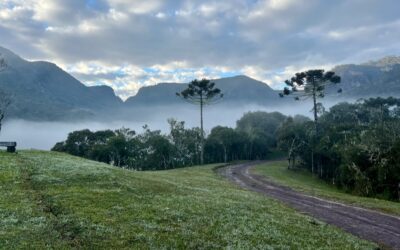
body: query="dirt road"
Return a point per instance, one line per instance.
(367, 224)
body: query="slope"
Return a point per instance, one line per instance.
(59, 201)
(43, 91)
(237, 90)
(372, 79)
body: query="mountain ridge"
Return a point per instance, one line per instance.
(234, 89)
(383, 62)
(43, 91)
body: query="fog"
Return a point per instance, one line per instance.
(43, 135)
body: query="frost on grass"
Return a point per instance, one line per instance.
(99, 206)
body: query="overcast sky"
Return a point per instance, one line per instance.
(127, 44)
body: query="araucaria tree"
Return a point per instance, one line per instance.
(201, 93)
(311, 85)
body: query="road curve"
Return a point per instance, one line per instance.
(367, 224)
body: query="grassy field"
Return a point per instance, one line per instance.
(52, 200)
(303, 181)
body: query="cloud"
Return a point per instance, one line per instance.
(132, 43)
(128, 79)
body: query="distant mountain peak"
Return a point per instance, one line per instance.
(238, 77)
(7, 52)
(385, 61)
(10, 57)
(42, 90)
(237, 89)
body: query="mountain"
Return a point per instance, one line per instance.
(385, 62)
(237, 90)
(43, 91)
(371, 79)
(375, 78)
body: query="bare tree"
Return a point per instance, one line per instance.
(201, 93)
(5, 99)
(5, 102)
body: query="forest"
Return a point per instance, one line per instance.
(357, 147)
(252, 139)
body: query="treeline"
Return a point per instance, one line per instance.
(356, 146)
(252, 139)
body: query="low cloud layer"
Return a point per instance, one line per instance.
(44, 135)
(127, 44)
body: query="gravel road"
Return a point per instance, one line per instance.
(367, 224)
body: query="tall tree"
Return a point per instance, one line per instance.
(5, 99)
(260, 128)
(311, 84)
(291, 137)
(225, 137)
(201, 93)
(186, 142)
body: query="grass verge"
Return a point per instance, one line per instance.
(303, 181)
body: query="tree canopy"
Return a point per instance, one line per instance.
(311, 84)
(201, 93)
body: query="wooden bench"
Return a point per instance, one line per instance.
(11, 146)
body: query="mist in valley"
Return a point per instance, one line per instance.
(44, 135)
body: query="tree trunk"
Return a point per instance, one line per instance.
(315, 128)
(312, 161)
(202, 132)
(225, 155)
(294, 161)
(290, 152)
(1, 120)
(398, 190)
(315, 112)
(321, 170)
(251, 151)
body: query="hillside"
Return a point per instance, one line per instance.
(52, 200)
(43, 91)
(372, 79)
(237, 90)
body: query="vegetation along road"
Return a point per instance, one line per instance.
(371, 225)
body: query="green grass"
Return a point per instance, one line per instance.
(52, 200)
(303, 181)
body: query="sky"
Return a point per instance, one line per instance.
(128, 44)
